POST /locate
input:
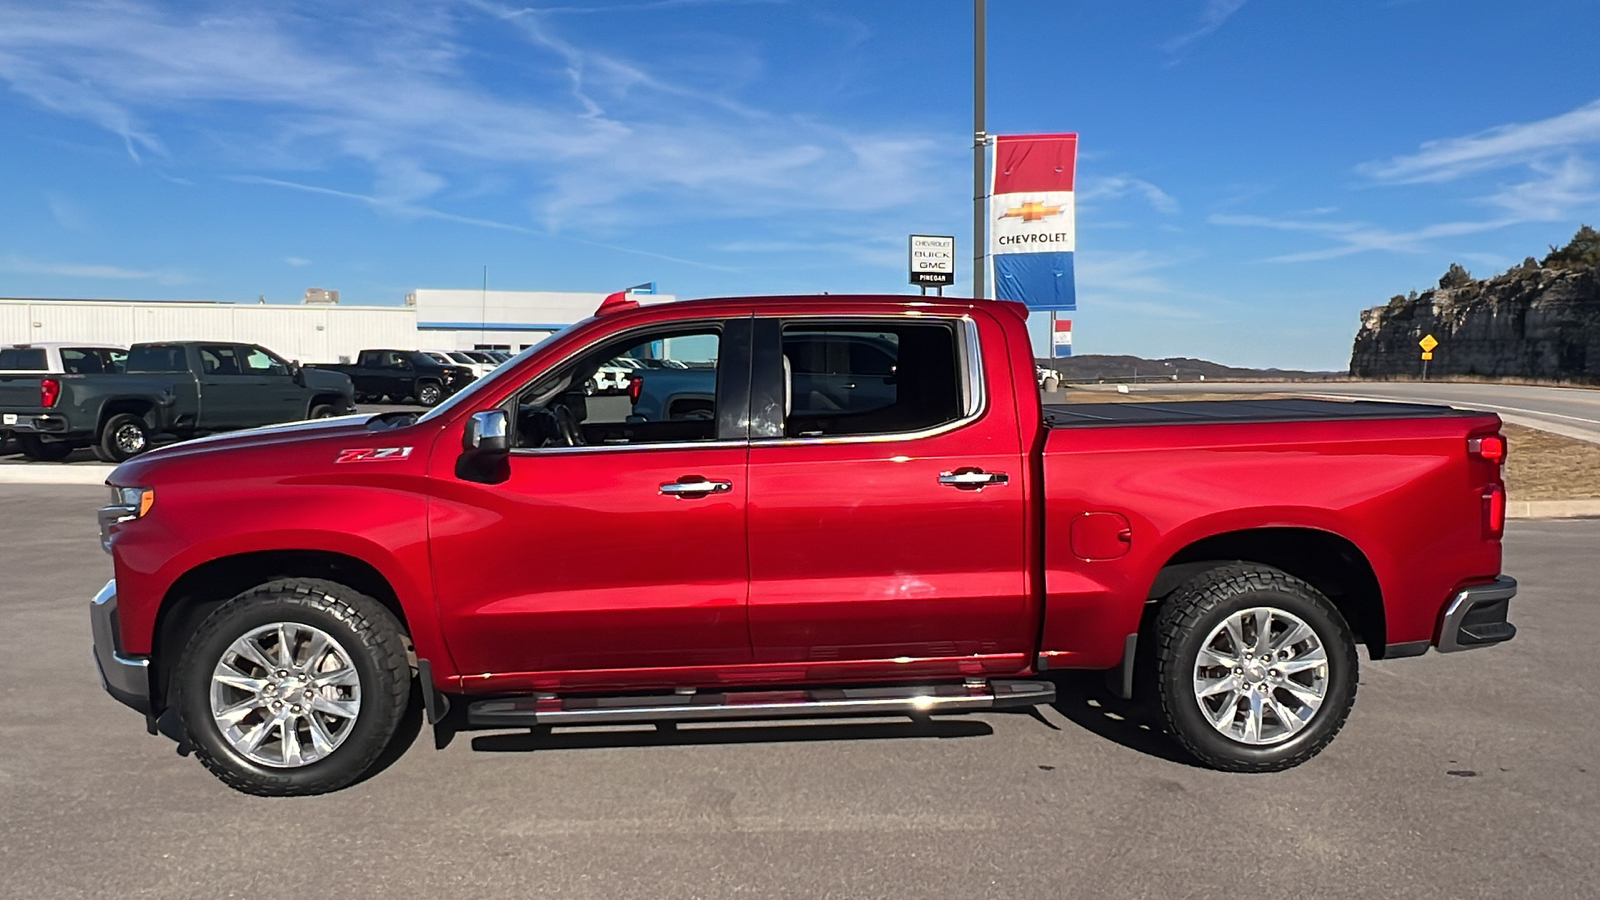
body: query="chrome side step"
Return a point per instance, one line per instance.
(898, 700)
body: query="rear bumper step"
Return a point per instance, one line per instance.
(898, 700)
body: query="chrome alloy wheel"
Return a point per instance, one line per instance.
(130, 438)
(285, 695)
(1261, 676)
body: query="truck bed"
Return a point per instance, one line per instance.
(1288, 409)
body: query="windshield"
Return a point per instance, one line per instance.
(466, 394)
(460, 357)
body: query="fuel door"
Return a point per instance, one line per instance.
(1101, 535)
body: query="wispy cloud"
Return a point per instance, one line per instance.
(1506, 145)
(1557, 183)
(1217, 12)
(296, 261)
(1135, 282)
(1115, 187)
(588, 137)
(24, 266)
(405, 210)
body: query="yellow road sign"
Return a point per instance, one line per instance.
(1427, 354)
(1428, 343)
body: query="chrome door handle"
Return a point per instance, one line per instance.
(972, 479)
(695, 487)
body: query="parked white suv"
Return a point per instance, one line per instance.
(61, 358)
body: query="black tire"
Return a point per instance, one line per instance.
(360, 398)
(118, 442)
(1188, 617)
(40, 450)
(323, 411)
(363, 628)
(429, 393)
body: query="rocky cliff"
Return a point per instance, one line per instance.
(1538, 320)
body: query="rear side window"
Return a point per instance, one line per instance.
(91, 360)
(157, 358)
(219, 359)
(879, 378)
(22, 359)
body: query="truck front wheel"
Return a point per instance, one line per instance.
(294, 687)
(1257, 669)
(429, 393)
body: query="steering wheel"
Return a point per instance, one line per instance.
(567, 426)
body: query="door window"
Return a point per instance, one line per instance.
(877, 378)
(671, 397)
(259, 362)
(219, 359)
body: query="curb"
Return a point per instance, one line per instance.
(47, 473)
(1551, 509)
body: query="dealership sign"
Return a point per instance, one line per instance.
(1032, 214)
(933, 260)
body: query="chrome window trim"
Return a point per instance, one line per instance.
(601, 448)
(973, 386)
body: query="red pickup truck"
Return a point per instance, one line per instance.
(938, 543)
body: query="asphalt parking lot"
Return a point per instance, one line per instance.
(1473, 775)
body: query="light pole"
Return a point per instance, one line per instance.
(979, 141)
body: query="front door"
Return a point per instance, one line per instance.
(887, 525)
(279, 398)
(610, 544)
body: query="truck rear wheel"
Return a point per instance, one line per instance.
(123, 437)
(40, 450)
(1257, 669)
(294, 687)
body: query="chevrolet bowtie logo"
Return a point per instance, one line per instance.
(1032, 211)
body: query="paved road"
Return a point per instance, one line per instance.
(1472, 775)
(1574, 412)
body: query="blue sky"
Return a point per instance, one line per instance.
(1253, 172)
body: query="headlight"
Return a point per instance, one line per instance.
(127, 504)
(136, 500)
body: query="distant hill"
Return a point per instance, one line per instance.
(1539, 320)
(1124, 368)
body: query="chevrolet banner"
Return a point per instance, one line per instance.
(1063, 338)
(1031, 219)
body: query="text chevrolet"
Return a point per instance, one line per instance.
(924, 539)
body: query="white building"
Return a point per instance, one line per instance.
(501, 320)
(313, 332)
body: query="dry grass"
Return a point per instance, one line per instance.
(1540, 465)
(1545, 466)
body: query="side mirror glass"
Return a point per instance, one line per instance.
(488, 432)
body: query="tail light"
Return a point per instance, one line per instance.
(1491, 448)
(49, 392)
(635, 388)
(1494, 511)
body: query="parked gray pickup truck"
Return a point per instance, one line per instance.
(181, 388)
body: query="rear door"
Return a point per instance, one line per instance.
(607, 544)
(231, 397)
(890, 524)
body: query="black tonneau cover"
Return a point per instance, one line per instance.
(1186, 412)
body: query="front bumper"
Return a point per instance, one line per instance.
(1476, 617)
(127, 678)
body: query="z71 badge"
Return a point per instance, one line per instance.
(373, 454)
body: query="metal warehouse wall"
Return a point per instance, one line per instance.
(305, 333)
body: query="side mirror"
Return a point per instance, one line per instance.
(488, 433)
(298, 373)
